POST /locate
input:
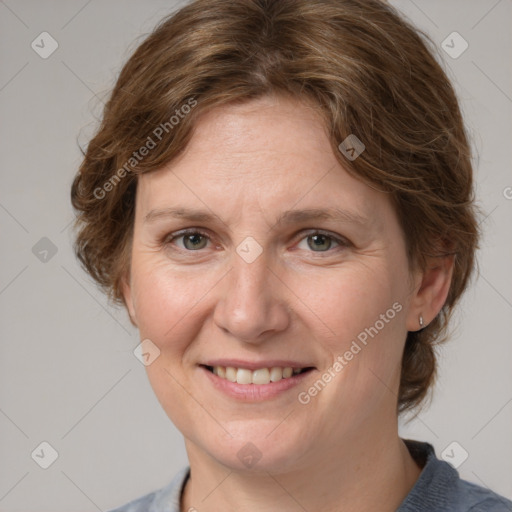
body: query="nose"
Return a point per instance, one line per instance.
(253, 306)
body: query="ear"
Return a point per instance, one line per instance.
(128, 298)
(430, 292)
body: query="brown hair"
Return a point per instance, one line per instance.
(369, 72)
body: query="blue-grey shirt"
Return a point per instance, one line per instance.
(439, 488)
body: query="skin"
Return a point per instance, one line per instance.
(246, 165)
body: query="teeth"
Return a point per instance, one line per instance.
(244, 376)
(230, 373)
(276, 374)
(259, 376)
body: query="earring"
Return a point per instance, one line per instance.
(421, 322)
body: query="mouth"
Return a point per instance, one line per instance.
(258, 377)
(256, 384)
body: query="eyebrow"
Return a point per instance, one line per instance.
(286, 218)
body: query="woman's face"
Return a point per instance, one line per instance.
(288, 262)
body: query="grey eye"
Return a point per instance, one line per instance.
(322, 242)
(194, 241)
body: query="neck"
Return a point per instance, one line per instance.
(365, 471)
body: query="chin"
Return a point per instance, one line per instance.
(254, 450)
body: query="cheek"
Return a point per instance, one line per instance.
(362, 312)
(350, 300)
(165, 300)
(166, 306)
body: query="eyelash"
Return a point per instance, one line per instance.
(342, 243)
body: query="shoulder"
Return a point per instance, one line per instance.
(440, 488)
(166, 499)
(480, 499)
(137, 505)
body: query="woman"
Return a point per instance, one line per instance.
(281, 195)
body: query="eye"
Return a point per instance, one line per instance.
(320, 241)
(192, 240)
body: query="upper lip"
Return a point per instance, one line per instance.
(254, 365)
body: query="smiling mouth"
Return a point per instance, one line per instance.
(259, 376)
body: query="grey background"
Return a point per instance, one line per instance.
(68, 375)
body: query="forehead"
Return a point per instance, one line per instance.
(267, 154)
(258, 137)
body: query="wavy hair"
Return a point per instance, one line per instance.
(369, 72)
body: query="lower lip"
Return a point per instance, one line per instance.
(254, 392)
